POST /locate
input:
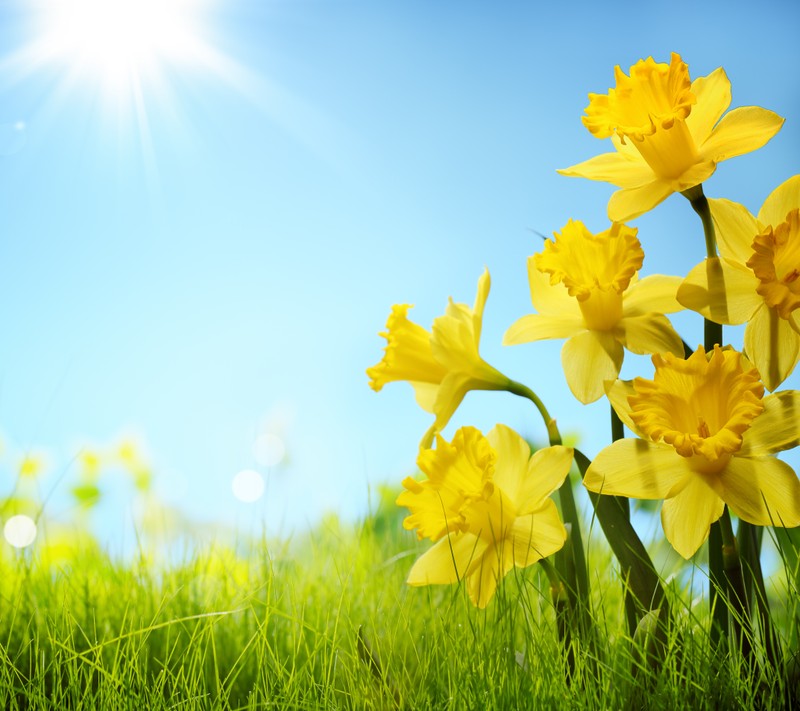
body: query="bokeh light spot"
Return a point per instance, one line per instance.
(20, 531)
(269, 450)
(248, 486)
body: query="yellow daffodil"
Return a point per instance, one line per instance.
(585, 288)
(707, 439)
(669, 133)
(487, 504)
(756, 279)
(442, 365)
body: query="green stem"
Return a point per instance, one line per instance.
(699, 204)
(748, 537)
(575, 570)
(636, 566)
(617, 433)
(561, 605)
(553, 435)
(712, 335)
(732, 566)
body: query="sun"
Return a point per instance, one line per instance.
(119, 42)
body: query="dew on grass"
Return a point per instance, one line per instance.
(20, 531)
(269, 450)
(12, 137)
(248, 486)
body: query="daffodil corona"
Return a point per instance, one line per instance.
(442, 365)
(585, 288)
(707, 439)
(486, 503)
(756, 279)
(669, 133)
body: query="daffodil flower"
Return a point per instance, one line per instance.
(756, 279)
(707, 439)
(442, 365)
(487, 503)
(669, 133)
(585, 288)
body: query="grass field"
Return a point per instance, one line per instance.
(326, 621)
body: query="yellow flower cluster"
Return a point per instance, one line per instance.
(706, 430)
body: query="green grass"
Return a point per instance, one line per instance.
(326, 621)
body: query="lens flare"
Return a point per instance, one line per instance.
(248, 486)
(20, 531)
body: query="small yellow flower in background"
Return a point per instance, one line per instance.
(487, 504)
(585, 288)
(669, 133)
(134, 462)
(756, 279)
(442, 365)
(90, 462)
(31, 466)
(707, 439)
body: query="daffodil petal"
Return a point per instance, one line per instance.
(546, 471)
(589, 359)
(772, 345)
(721, 290)
(655, 293)
(735, 229)
(550, 299)
(740, 131)
(484, 284)
(687, 516)
(535, 327)
(629, 203)
(483, 579)
(425, 394)
(649, 333)
(512, 456)
(617, 394)
(763, 490)
(453, 341)
(537, 535)
(625, 170)
(451, 392)
(637, 469)
(713, 94)
(447, 561)
(782, 200)
(777, 428)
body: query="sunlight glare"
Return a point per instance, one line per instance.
(117, 40)
(20, 531)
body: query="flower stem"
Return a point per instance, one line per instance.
(636, 565)
(617, 433)
(748, 538)
(712, 335)
(553, 435)
(558, 593)
(732, 567)
(699, 203)
(573, 568)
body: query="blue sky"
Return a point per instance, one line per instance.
(210, 253)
